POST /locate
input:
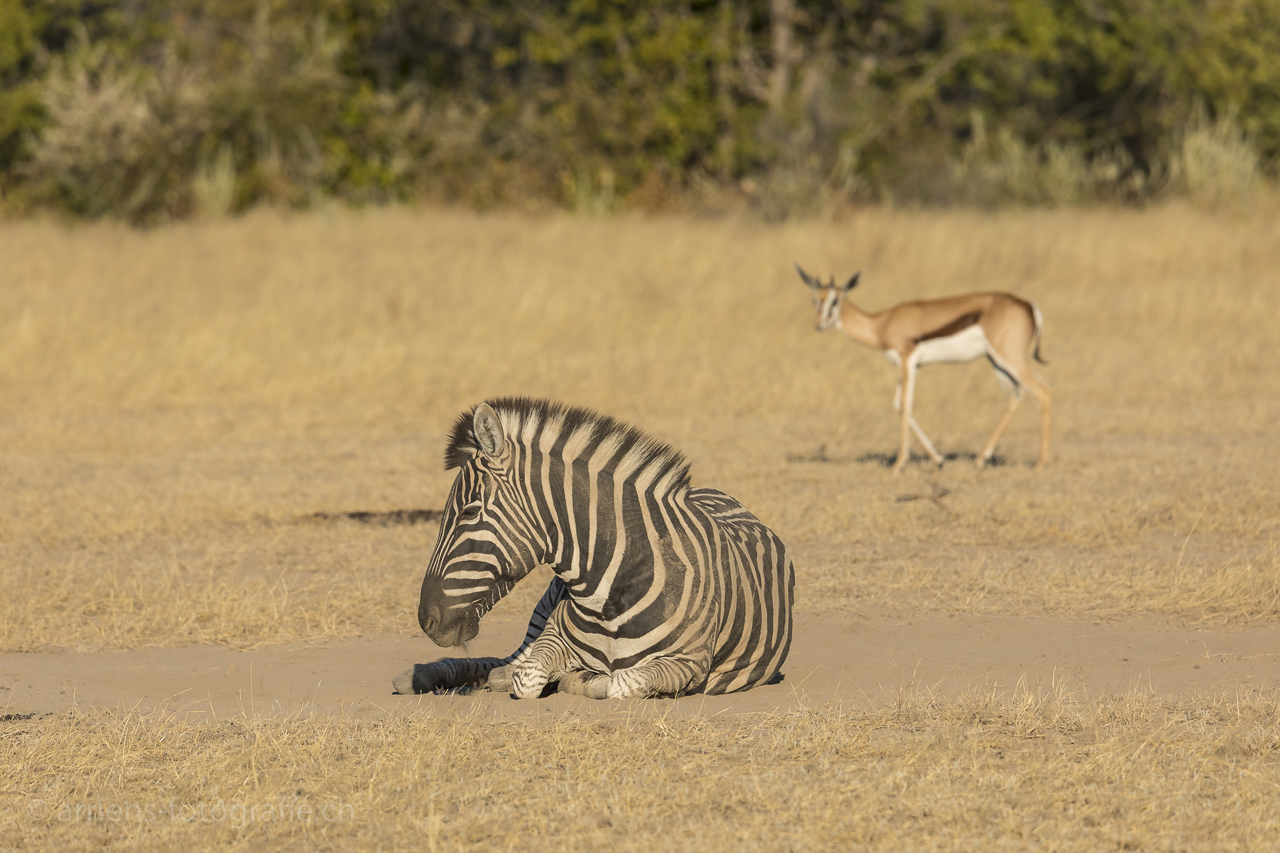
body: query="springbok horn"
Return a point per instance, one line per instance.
(808, 279)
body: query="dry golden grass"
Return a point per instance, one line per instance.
(1040, 770)
(173, 400)
(174, 403)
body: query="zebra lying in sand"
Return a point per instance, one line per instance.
(659, 589)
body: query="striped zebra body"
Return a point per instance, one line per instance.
(660, 589)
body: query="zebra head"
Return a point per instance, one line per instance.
(827, 297)
(488, 536)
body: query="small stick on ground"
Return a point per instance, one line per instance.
(939, 492)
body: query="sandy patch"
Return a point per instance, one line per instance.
(865, 660)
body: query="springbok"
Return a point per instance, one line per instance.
(954, 330)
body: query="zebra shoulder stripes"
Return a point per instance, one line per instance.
(659, 588)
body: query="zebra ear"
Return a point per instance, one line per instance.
(488, 431)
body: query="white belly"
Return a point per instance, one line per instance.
(964, 346)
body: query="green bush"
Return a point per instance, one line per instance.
(163, 110)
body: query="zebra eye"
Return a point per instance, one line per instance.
(470, 512)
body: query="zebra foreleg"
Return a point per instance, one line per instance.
(552, 658)
(665, 676)
(445, 674)
(593, 685)
(491, 673)
(671, 676)
(549, 659)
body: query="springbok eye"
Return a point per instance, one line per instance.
(470, 512)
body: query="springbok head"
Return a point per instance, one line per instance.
(827, 297)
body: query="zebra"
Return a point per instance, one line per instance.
(660, 589)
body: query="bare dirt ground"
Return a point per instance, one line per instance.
(858, 660)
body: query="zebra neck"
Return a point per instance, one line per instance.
(622, 561)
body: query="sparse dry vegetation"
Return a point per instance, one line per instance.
(176, 404)
(1038, 770)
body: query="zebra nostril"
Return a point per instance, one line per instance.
(428, 617)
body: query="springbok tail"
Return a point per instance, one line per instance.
(1039, 321)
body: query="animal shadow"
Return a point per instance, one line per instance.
(818, 456)
(379, 519)
(886, 460)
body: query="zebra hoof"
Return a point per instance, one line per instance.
(500, 679)
(423, 678)
(402, 684)
(593, 685)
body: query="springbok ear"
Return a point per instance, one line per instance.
(806, 278)
(488, 431)
(853, 282)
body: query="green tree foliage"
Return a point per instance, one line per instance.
(172, 107)
(20, 107)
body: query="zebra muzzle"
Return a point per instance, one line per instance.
(429, 618)
(447, 632)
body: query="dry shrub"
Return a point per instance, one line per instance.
(119, 139)
(1217, 163)
(1211, 162)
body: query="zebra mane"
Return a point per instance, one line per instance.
(517, 413)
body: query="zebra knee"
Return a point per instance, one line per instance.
(537, 677)
(529, 682)
(621, 687)
(661, 678)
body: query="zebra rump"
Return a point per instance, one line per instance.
(660, 589)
